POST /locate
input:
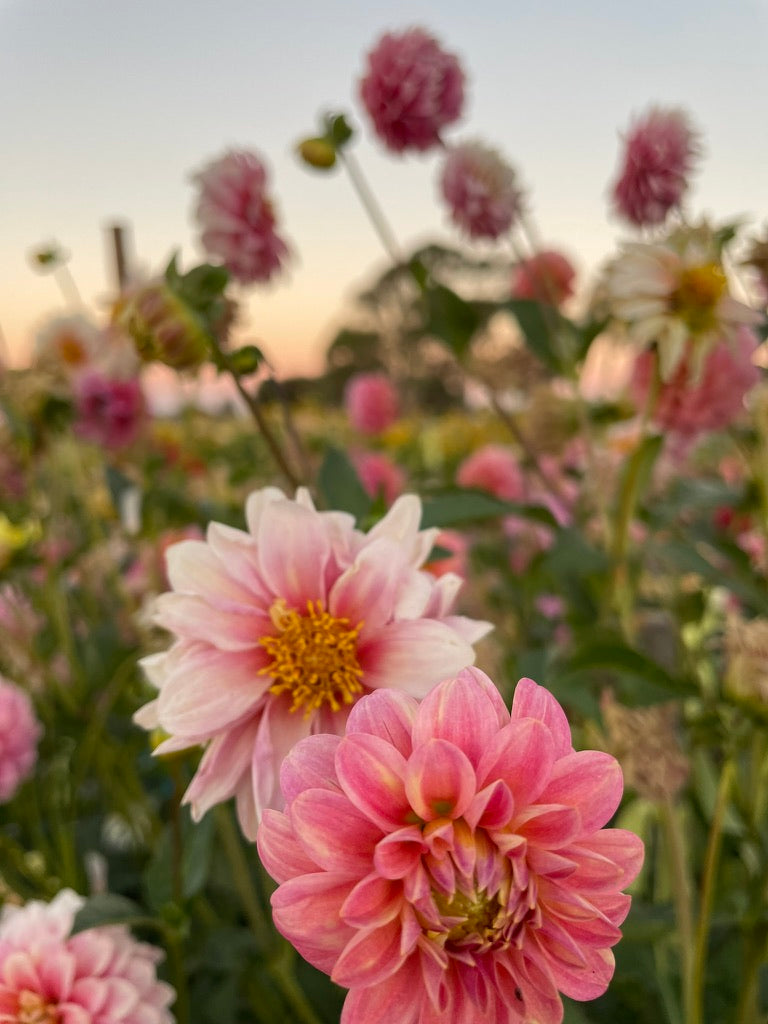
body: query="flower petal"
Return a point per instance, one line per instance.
(440, 780)
(413, 655)
(371, 773)
(534, 701)
(334, 834)
(589, 780)
(467, 711)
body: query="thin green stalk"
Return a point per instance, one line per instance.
(754, 959)
(371, 206)
(681, 894)
(711, 857)
(178, 972)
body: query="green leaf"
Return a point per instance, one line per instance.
(196, 843)
(450, 318)
(547, 333)
(465, 506)
(338, 130)
(340, 485)
(245, 360)
(107, 908)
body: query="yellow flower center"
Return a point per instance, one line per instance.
(482, 916)
(314, 657)
(696, 297)
(71, 350)
(32, 1009)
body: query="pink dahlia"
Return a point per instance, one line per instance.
(411, 89)
(481, 190)
(689, 406)
(379, 475)
(371, 402)
(495, 469)
(659, 154)
(19, 733)
(547, 276)
(447, 861)
(49, 976)
(237, 218)
(110, 411)
(281, 629)
(456, 558)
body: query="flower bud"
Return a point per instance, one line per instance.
(317, 152)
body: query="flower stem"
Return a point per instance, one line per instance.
(694, 1002)
(371, 206)
(682, 896)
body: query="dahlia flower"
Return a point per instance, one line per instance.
(110, 411)
(48, 976)
(547, 276)
(281, 629)
(371, 402)
(481, 190)
(379, 475)
(493, 468)
(674, 294)
(447, 861)
(411, 90)
(659, 154)
(688, 406)
(68, 343)
(19, 733)
(237, 217)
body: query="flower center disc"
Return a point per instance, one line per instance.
(314, 657)
(33, 1009)
(698, 292)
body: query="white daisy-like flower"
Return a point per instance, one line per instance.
(674, 294)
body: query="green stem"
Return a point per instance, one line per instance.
(681, 896)
(371, 206)
(754, 958)
(280, 970)
(178, 972)
(711, 857)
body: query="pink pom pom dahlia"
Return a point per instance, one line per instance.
(19, 733)
(659, 154)
(110, 411)
(371, 402)
(481, 190)
(547, 276)
(493, 468)
(237, 217)
(447, 861)
(281, 629)
(411, 89)
(101, 976)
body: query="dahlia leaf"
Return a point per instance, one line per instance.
(340, 485)
(108, 908)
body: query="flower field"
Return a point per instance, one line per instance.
(433, 688)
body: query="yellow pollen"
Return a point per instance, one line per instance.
(482, 915)
(71, 350)
(696, 297)
(314, 657)
(32, 1009)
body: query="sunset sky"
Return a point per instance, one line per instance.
(107, 108)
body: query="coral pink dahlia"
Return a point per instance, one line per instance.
(371, 402)
(411, 89)
(493, 468)
(447, 861)
(19, 733)
(547, 276)
(237, 217)
(659, 154)
(481, 190)
(281, 629)
(48, 976)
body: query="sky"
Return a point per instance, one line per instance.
(107, 109)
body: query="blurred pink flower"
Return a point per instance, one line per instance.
(412, 89)
(102, 975)
(690, 407)
(19, 734)
(659, 154)
(456, 562)
(495, 469)
(379, 475)
(281, 629)
(371, 402)
(448, 862)
(237, 217)
(547, 276)
(481, 190)
(110, 411)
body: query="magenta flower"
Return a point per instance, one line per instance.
(379, 475)
(110, 411)
(547, 276)
(447, 861)
(481, 190)
(237, 217)
(688, 406)
(659, 154)
(48, 976)
(411, 89)
(19, 733)
(371, 402)
(281, 629)
(493, 468)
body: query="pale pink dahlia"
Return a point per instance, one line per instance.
(481, 190)
(109, 411)
(688, 406)
(281, 629)
(100, 976)
(237, 217)
(659, 154)
(447, 861)
(19, 733)
(371, 402)
(547, 276)
(411, 89)
(493, 468)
